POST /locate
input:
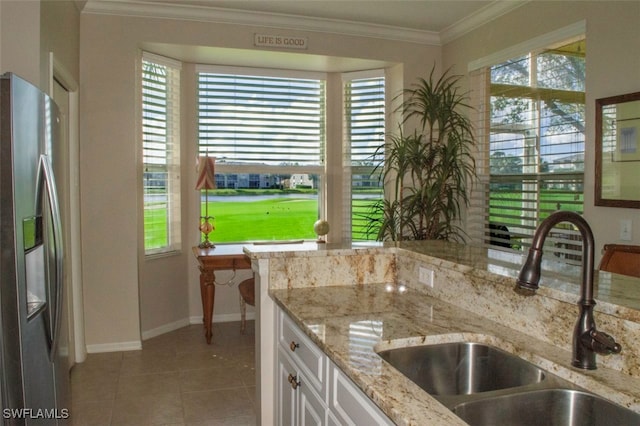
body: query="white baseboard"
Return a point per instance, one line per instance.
(223, 318)
(135, 345)
(165, 328)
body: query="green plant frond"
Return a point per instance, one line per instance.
(430, 170)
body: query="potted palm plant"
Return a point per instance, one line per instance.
(428, 173)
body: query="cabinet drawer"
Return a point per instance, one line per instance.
(303, 352)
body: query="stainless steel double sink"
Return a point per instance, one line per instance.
(484, 385)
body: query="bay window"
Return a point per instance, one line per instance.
(267, 130)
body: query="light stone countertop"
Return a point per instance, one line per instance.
(614, 293)
(351, 323)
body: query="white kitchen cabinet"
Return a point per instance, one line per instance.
(298, 403)
(312, 409)
(287, 394)
(350, 405)
(311, 389)
(304, 353)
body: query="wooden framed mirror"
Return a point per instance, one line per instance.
(617, 169)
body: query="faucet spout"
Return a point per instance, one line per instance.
(587, 341)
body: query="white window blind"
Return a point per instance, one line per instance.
(534, 131)
(365, 132)
(251, 119)
(161, 153)
(266, 129)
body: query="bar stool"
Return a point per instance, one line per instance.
(247, 297)
(621, 259)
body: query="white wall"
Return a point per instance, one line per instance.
(29, 30)
(612, 68)
(124, 294)
(20, 39)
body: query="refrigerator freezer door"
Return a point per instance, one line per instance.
(28, 128)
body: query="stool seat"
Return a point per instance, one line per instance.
(247, 290)
(621, 259)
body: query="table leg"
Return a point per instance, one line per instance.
(208, 294)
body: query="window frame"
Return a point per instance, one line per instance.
(351, 170)
(250, 169)
(565, 243)
(171, 152)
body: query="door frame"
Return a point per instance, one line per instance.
(58, 73)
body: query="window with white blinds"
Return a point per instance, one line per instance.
(161, 153)
(534, 133)
(364, 98)
(266, 129)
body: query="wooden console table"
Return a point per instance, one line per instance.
(221, 257)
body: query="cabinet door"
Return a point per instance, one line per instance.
(286, 394)
(331, 419)
(350, 405)
(298, 403)
(311, 408)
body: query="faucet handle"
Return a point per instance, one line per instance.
(603, 343)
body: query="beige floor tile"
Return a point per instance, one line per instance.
(109, 362)
(94, 387)
(91, 413)
(148, 410)
(177, 379)
(210, 379)
(217, 404)
(231, 421)
(148, 384)
(148, 362)
(252, 394)
(219, 358)
(244, 356)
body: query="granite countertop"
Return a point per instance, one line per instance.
(614, 293)
(351, 323)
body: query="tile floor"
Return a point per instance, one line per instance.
(175, 380)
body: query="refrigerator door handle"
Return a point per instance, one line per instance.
(46, 181)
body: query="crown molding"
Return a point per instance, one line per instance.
(576, 29)
(146, 9)
(258, 19)
(488, 13)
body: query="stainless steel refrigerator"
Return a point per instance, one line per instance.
(34, 372)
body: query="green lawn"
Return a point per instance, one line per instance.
(290, 218)
(277, 218)
(272, 219)
(504, 204)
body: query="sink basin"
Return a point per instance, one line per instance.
(462, 368)
(559, 407)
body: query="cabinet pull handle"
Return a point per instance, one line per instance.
(293, 346)
(293, 380)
